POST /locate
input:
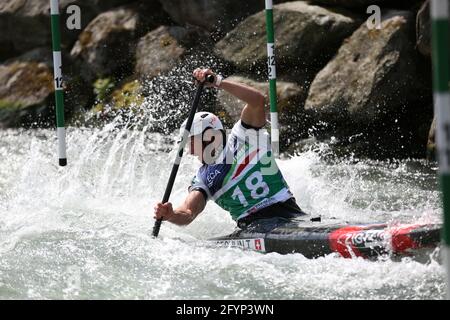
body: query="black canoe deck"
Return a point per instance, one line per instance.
(315, 239)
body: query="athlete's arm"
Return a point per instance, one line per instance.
(185, 213)
(253, 113)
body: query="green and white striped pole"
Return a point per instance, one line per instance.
(59, 94)
(441, 72)
(275, 132)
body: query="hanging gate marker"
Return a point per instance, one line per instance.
(441, 76)
(58, 80)
(271, 67)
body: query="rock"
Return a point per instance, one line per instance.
(163, 48)
(305, 35)
(25, 92)
(363, 4)
(348, 3)
(77, 93)
(375, 87)
(40, 55)
(26, 83)
(107, 45)
(127, 95)
(374, 72)
(19, 17)
(45, 55)
(423, 29)
(213, 15)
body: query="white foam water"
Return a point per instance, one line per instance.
(84, 231)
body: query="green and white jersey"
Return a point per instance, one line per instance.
(246, 178)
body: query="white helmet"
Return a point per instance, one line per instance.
(202, 121)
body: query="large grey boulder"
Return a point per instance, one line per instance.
(219, 16)
(306, 35)
(107, 45)
(423, 29)
(373, 90)
(162, 49)
(349, 3)
(25, 24)
(40, 55)
(363, 4)
(25, 90)
(374, 72)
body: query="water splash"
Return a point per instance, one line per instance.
(84, 231)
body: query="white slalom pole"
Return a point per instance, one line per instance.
(58, 79)
(274, 132)
(441, 76)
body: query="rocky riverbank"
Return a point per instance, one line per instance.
(367, 90)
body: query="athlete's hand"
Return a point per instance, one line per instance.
(201, 74)
(163, 211)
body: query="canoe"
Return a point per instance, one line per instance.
(316, 239)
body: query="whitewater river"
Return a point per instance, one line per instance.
(84, 231)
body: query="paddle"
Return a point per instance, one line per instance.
(176, 165)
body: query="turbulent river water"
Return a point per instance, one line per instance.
(84, 231)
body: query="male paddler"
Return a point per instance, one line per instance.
(238, 172)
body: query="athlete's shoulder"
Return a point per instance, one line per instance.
(241, 130)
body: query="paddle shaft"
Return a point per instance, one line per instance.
(181, 146)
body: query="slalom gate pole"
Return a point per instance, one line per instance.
(271, 67)
(58, 80)
(441, 74)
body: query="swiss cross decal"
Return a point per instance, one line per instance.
(258, 244)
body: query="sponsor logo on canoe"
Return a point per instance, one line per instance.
(365, 238)
(349, 240)
(246, 244)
